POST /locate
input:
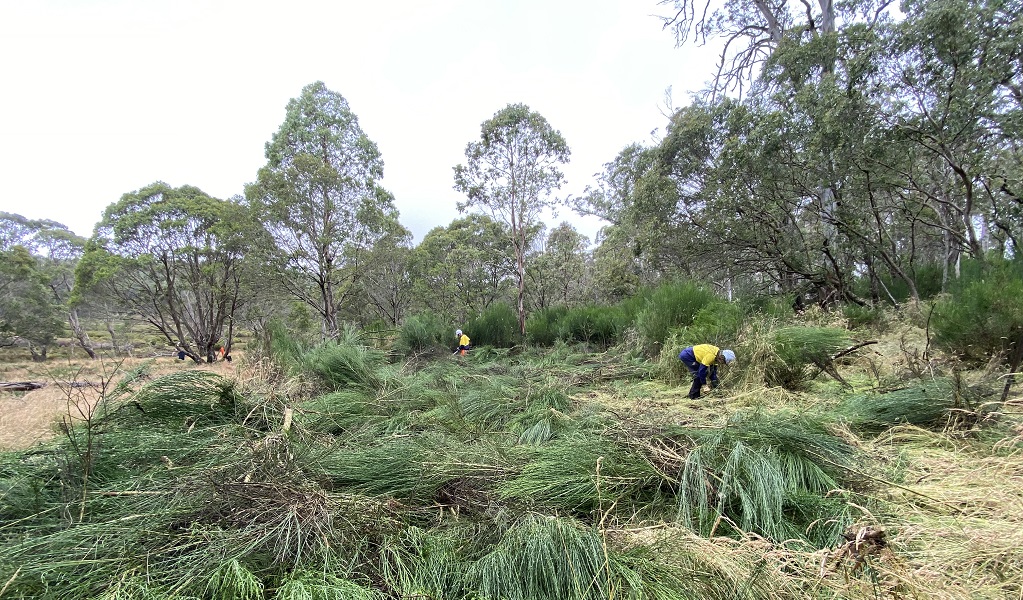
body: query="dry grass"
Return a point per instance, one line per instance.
(27, 418)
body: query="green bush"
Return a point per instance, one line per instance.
(796, 349)
(498, 326)
(601, 325)
(345, 363)
(983, 314)
(863, 316)
(423, 333)
(544, 326)
(718, 323)
(934, 403)
(669, 307)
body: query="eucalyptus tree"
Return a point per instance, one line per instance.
(172, 257)
(319, 200)
(960, 108)
(559, 271)
(28, 313)
(464, 268)
(54, 250)
(511, 173)
(389, 283)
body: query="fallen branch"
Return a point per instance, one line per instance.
(21, 386)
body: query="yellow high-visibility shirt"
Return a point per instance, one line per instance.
(464, 340)
(706, 354)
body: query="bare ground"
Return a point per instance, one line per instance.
(27, 418)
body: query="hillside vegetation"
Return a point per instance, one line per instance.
(338, 470)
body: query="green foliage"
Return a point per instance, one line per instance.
(423, 333)
(718, 323)
(420, 563)
(319, 201)
(544, 558)
(345, 363)
(863, 316)
(768, 474)
(497, 326)
(671, 306)
(174, 257)
(796, 349)
(592, 324)
(983, 314)
(580, 473)
(233, 581)
(935, 403)
(314, 585)
(544, 326)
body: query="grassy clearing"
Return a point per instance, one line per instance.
(517, 474)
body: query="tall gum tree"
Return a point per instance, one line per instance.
(511, 173)
(172, 257)
(319, 200)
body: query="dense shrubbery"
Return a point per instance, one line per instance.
(498, 326)
(422, 334)
(654, 313)
(671, 307)
(983, 313)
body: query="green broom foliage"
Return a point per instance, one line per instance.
(767, 475)
(669, 307)
(345, 363)
(935, 403)
(313, 585)
(983, 315)
(543, 326)
(418, 563)
(581, 472)
(424, 333)
(543, 558)
(797, 349)
(497, 326)
(232, 581)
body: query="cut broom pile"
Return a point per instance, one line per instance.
(503, 476)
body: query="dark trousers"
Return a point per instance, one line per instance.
(689, 360)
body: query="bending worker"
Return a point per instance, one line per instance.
(463, 342)
(703, 359)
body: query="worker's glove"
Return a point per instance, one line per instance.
(713, 385)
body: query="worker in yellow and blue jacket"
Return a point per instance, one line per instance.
(703, 360)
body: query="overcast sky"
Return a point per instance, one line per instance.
(103, 97)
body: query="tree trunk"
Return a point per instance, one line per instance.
(80, 334)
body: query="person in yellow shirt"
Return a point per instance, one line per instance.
(703, 360)
(463, 342)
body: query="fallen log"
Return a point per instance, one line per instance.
(21, 386)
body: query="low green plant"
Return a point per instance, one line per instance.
(932, 403)
(797, 350)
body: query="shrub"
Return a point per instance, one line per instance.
(935, 403)
(543, 326)
(796, 349)
(423, 333)
(345, 363)
(498, 326)
(983, 314)
(592, 324)
(670, 307)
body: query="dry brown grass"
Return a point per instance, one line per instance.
(27, 418)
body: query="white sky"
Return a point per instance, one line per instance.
(103, 97)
